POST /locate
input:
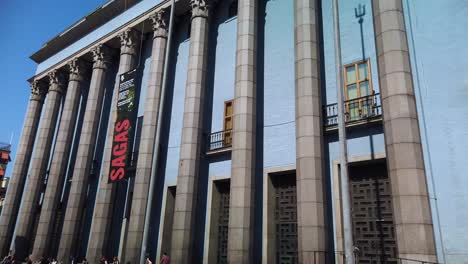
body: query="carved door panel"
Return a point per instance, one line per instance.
(223, 221)
(286, 220)
(372, 218)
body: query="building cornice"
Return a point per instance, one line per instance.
(137, 22)
(82, 27)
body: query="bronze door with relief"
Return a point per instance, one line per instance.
(223, 223)
(286, 219)
(372, 214)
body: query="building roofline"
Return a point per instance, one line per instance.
(138, 15)
(83, 26)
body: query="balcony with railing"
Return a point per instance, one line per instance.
(358, 111)
(219, 142)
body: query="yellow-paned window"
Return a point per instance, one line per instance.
(228, 112)
(358, 88)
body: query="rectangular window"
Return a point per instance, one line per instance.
(227, 124)
(358, 90)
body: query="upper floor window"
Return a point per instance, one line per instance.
(227, 122)
(358, 88)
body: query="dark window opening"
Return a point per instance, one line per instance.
(189, 29)
(232, 9)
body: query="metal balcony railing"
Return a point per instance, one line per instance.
(357, 110)
(219, 140)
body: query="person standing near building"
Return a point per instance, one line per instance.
(165, 259)
(103, 260)
(6, 260)
(115, 260)
(29, 260)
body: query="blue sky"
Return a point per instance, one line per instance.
(25, 26)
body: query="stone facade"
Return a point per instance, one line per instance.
(241, 218)
(188, 202)
(101, 57)
(56, 178)
(37, 174)
(412, 211)
(129, 42)
(309, 137)
(23, 157)
(148, 134)
(191, 147)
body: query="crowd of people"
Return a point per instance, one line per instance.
(11, 259)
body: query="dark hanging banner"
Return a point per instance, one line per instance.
(124, 128)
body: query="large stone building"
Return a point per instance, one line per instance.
(236, 156)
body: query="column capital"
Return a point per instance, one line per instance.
(128, 41)
(57, 81)
(159, 23)
(201, 8)
(78, 69)
(38, 90)
(102, 56)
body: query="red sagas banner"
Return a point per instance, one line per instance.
(124, 128)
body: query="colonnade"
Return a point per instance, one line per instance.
(405, 162)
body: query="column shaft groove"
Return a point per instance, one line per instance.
(59, 162)
(311, 227)
(145, 153)
(37, 173)
(241, 207)
(103, 209)
(19, 173)
(411, 207)
(84, 156)
(190, 149)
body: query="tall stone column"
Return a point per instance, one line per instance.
(190, 149)
(84, 157)
(60, 159)
(411, 207)
(102, 216)
(37, 173)
(241, 213)
(23, 157)
(145, 154)
(309, 149)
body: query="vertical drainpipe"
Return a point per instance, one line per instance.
(344, 177)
